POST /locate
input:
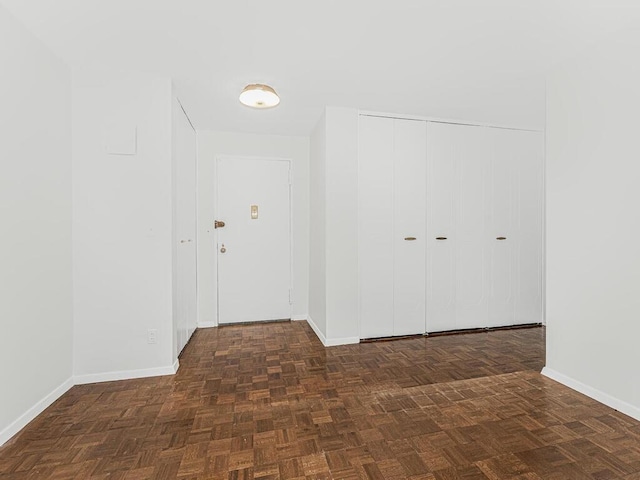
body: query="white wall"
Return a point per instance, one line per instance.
(122, 227)
(342, 225)
(334, 227)
(35, 231)
(210, 146)
(593, 224)
(317, 229)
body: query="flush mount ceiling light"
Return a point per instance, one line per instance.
(259, 96)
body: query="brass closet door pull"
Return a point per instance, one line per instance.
(501, 238)
(441, 238)
(409, 239)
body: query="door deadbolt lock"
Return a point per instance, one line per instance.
(223, 249)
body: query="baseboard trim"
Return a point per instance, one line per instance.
(331, 342)
(316, 330)
(334, 342)
(300, 318)
(207, 324)
(22, 421)
(126, 374)
(594, 393)
(16, 426)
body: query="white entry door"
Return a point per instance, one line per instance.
(254, 245)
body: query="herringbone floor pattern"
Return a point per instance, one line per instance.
(269, 402)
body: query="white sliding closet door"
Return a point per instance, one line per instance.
(409, 226)
(484, 227)
(504, 234)
(472, 232)
(391, 236)
(442, 150)
(375, 229)
(516, 226)
(457, 287)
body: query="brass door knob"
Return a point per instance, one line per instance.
(218, 224)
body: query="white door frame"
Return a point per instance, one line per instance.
(217, 159)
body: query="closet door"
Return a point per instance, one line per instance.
(485, 197)
(442, 144)
(375, 228)
(472, 269)
(409, 226)
(457, 261)
(504, 235)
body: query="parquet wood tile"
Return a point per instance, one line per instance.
(269, 402)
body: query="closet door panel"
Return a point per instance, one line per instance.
(501, 301)
(375, 232)
(503, 233)
(473, 155)
(441, 307)
(441, 201)
(529, 293)
(485, 195)
(410, 144)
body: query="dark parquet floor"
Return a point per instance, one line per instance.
(269, 402)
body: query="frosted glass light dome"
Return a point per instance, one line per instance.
(258, 95)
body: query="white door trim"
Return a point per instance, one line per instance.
(217, 159)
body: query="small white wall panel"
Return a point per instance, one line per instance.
(375, 230)
(409, 219)
(185, 219)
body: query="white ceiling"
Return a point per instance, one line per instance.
(477, 60)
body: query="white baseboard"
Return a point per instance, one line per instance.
(207, 324)
(594, 393)
(300, 318)
(331, 342)
(334, 342)
(40, 406)
(126, 374)
(33, 412)
(316, 330)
